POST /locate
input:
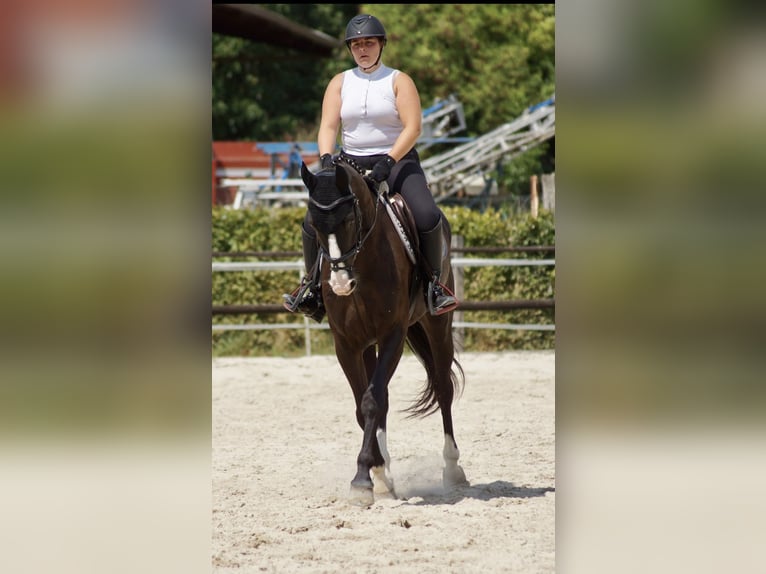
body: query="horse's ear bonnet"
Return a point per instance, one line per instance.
(325, 188)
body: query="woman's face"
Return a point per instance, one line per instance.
(365, 51)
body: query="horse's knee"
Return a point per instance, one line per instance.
(370, 407)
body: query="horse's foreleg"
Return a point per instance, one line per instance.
(383, 483)
(361, 485)
(374, 407)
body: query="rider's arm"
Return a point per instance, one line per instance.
(408, 106)
(328, 127)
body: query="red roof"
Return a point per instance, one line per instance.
(239, 154)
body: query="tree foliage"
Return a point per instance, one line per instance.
(497, 58)
(270, 93)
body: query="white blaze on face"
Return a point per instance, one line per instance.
(340, 282)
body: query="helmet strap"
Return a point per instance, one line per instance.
(382, 44)
(371, 67)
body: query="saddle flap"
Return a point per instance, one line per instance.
(402, 212)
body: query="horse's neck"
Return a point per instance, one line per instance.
(368, 203)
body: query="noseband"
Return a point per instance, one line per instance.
(335, 262)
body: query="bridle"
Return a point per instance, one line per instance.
(335, 262)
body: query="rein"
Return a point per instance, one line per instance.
(335, 262)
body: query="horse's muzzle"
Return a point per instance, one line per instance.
(342, 282)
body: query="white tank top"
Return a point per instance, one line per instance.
(370, 122)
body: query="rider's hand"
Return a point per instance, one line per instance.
(325, 161)
(382, 169)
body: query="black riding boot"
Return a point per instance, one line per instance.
(438, 297)
(307, 298)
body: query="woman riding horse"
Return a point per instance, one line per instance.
(379, 110)
(372, 295)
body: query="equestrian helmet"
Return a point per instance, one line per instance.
(365, 26)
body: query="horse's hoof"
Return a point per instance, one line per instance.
(386, 495)
(384, 491)
(453, 477)
(361, 496)
(383, 486)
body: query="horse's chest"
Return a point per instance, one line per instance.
(370, 314)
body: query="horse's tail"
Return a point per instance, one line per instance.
(436, 384)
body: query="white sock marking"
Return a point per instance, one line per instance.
(450, 452)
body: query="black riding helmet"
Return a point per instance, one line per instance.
(365, 26)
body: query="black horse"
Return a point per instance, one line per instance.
(373, 290)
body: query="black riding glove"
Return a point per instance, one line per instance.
(325, 161)
(382, 169)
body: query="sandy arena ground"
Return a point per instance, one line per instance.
(285, 441)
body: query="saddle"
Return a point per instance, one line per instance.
(404, 222)
(402, 218)
(398, 211)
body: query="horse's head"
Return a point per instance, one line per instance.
(337, 218)
(331, 200)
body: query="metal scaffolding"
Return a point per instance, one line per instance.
(451, 171)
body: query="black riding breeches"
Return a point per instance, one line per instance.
(408, 179)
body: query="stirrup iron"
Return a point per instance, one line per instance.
(436, 290)
(293, 300)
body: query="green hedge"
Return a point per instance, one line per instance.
(263, 229)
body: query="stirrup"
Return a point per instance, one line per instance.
(307, 300)
(437, 290)
(292, 300)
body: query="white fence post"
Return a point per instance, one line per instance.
(549, 191)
